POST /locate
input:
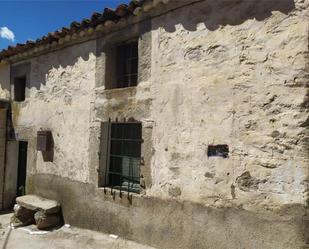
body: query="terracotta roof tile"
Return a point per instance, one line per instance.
(109, 16)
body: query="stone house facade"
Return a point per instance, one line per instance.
(178, 124)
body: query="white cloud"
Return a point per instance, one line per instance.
(6, 33)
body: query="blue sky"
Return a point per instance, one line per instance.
(25, 19)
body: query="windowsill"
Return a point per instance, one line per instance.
(120, 88)
(116, 91)
(110, 191)
(120, 93)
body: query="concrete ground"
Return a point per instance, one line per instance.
(63, 238)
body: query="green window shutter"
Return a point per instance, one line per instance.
(104, 153)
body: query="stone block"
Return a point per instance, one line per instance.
(47, 221)
(22, 217)
(22, 212)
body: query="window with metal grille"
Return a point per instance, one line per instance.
(20, 89)
(127, 64)
(121, 156)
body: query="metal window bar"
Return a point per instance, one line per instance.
(125, 157)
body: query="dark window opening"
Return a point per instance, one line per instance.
(127, 64)
(20, 89)
(221, 150)
(123, 155)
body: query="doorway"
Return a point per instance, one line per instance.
(22, 168)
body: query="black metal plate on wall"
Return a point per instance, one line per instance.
(220, 150)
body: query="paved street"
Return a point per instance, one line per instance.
(63, 238)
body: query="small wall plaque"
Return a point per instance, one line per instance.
(220, 150)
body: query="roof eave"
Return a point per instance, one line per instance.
(109, 21)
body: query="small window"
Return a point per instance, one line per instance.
(121, 68)
(20, 89)
(122, 155)
(127, 64)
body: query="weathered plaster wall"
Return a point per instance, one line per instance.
(220, 78)
(217, 72)
(236, 74)
(4, 81)
(58, 99)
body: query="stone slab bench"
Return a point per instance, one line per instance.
(32, 209)
(37, 203)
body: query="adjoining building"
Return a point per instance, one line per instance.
(174, 123)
